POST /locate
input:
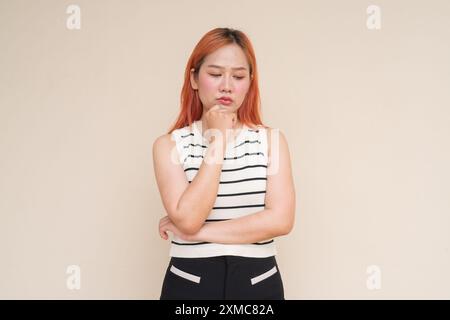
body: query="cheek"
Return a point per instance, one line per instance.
(209, 85)
(241, 89)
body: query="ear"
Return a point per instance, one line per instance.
(193, 80)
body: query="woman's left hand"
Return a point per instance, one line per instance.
(165, 225)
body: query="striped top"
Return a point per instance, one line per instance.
(242, 187)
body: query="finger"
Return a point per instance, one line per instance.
(163, 222)
(221, 107)
(225, 110)
(215, 107)
(163, 234)
(165, 227)
(162, 229)
(163, 218)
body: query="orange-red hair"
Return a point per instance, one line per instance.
(191, 106)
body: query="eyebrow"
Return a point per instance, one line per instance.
(220, 67)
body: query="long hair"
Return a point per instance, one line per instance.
(191, 106)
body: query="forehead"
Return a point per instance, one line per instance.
(227, 57)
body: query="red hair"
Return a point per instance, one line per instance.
(191, 106)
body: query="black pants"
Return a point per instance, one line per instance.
(223, 277)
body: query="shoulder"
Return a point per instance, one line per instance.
(270, 131)
(170, 139)
(273, 134)
(276, 140)
(163, 143)
(276, 133)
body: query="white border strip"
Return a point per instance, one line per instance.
(263, 276)
(185, 275)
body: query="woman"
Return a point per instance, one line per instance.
(224, 178)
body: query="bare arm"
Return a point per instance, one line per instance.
(276, 219)
(187, 204)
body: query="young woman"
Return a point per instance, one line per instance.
(224, 178)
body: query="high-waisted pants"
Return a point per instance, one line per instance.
(223, 278)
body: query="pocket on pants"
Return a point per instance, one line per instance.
(264, 276)
(185, 275)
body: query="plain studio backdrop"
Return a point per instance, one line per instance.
(359, 88)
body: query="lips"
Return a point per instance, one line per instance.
(225, 102)
(225, 99)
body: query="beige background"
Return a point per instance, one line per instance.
(366, 114)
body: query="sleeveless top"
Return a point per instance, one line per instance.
(242, 187)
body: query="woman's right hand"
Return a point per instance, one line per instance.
(219, 118)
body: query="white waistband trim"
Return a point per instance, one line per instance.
(219, 249)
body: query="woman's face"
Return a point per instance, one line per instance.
(224, 72)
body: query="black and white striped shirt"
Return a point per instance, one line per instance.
(242, 187)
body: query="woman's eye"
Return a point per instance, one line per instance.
(218, 75)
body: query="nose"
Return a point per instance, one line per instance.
(225, 85)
